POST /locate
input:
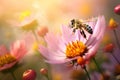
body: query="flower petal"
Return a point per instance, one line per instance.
(7, 66)
(99, 37)
(95, 44)
(57, 61)
(50, 55)
(60, 61)
(68, 34)
(100, 26)
(92, 24)
(54, 42)
(18, 49)
(3, 50)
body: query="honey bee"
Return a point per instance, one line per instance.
(77, 24)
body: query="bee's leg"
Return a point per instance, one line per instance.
(74, 30)
(71, 26)
(83, 33)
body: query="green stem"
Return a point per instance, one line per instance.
(49, 74)
(97, 65)
(33, 31)
(115, 58)
(47, 77)
(117, 40)
(13, 75)
(87, 73)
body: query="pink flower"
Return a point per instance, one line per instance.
(9, 58)
(71, 46)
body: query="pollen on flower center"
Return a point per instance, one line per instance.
(76, 48)
(6, 59)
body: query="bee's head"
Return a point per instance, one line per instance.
(73, 21)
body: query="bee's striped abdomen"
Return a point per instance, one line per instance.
(88, 28)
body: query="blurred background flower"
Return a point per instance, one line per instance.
(9, 58)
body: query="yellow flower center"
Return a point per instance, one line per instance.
(6, 59)
(30, 26)
(74, 49)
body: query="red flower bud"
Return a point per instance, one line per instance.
(109, 47)
(44, 71)
(117, 9)
(29, 75)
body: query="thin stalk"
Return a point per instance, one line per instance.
(47, 77)
(117, 40)
(97, 65)
(33, 31)
(87, 73)
(13, 75)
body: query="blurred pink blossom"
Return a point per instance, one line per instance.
(9, 59)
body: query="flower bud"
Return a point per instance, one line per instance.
(113, 24)
(109, 47)
(29, 75)
(117, 9)
(81, 61)
(117, 70)
(42, 31)
(44, 71)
